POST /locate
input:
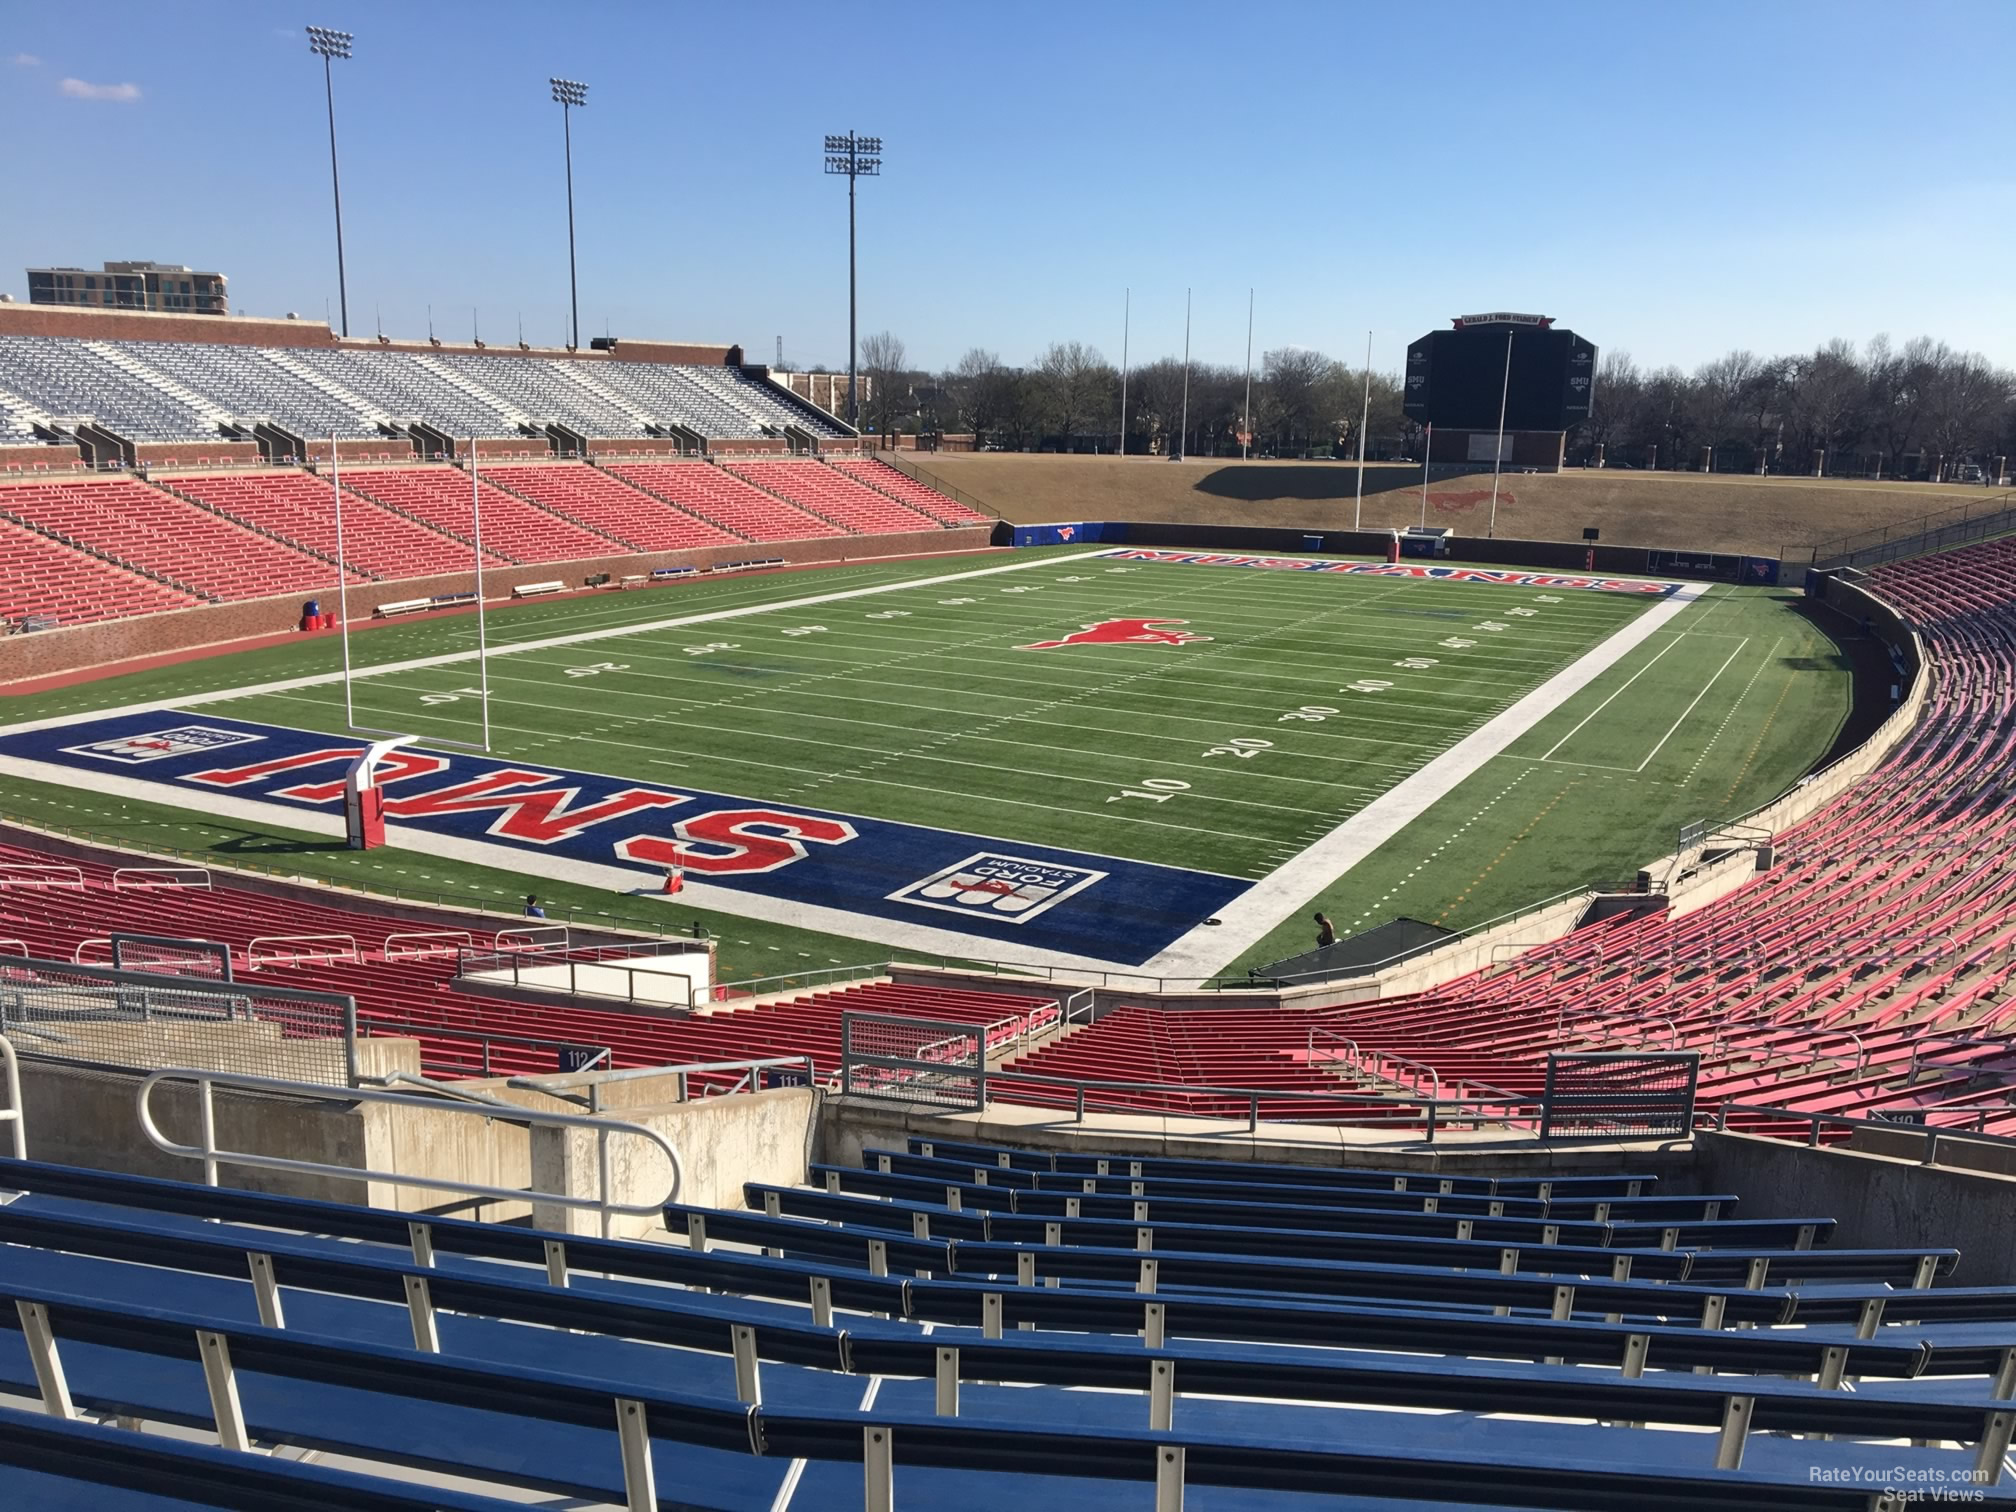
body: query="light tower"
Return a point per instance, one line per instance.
(328, 46)
(569, 94)
(856, 157)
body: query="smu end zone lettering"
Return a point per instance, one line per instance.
(742, 854)
(743, 841)
(725, 842)
(1500, 577)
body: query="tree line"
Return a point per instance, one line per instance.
(1916, 410)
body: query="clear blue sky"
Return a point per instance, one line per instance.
(1672, 180)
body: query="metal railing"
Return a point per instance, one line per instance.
(457, 901)
(103, 1016)
(152, 878)
(786, 981)
(536, 967)
(751, 1080)
(1434, 1113)
(484, 1040)
(13, 1115)
(212, 1155)
(1930, 1134)
(1973, 520)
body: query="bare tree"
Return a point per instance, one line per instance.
(884, 363)
(1292, 387)
(1077, 388)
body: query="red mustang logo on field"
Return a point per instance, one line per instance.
(1123, 632)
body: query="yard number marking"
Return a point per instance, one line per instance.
(1245, 747)
(1163, 789)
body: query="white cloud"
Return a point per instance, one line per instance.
(77, 89)
(25, 60)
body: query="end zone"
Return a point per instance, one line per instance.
(1504, 577)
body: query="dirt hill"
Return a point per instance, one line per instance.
(1720, 512)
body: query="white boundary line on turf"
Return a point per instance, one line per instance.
(547, 643)
(1692, 706)
(1254, 914)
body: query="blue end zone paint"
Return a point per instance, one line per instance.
(1032, 895)
(1502, 577)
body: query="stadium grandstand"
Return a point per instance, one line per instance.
(578, 932)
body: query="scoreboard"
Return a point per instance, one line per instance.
(1455, 377)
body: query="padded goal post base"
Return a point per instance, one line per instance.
(363, 799)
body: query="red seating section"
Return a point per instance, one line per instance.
(590, 495)
(520, 531)
(532, 512)
(41, 576)
(900, 485)
(170, 536)
(53, 922)
(723, 499)
(300, 507)
(833, 497)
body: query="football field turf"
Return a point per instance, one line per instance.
(1253, 714)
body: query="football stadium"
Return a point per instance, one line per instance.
(617, 924)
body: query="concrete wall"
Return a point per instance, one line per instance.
(86, 1117)
(1878, 1200)
(722, 1142)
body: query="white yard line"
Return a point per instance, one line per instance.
(519, 648)
(1548, 754)
(1249, 918)
(1692, 706)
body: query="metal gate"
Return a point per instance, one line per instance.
(1621, 1093)
(933, 1062)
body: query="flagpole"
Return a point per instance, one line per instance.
(1183, 439)
(1247, 415)
(1364, 420)
(1498, 455)
(1126, 317)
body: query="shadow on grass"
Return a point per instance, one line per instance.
(1317, 481)
(275, 845)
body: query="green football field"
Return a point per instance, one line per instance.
(1302, 699)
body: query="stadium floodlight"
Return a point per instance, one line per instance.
(570, 94)
(328, 46)
(855, 157)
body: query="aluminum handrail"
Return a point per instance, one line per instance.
(1816, 1121)
(212, 1156)
(13, 1114)
(1506, 1101)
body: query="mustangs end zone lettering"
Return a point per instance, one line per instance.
(522, 816)
(1501, 577)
